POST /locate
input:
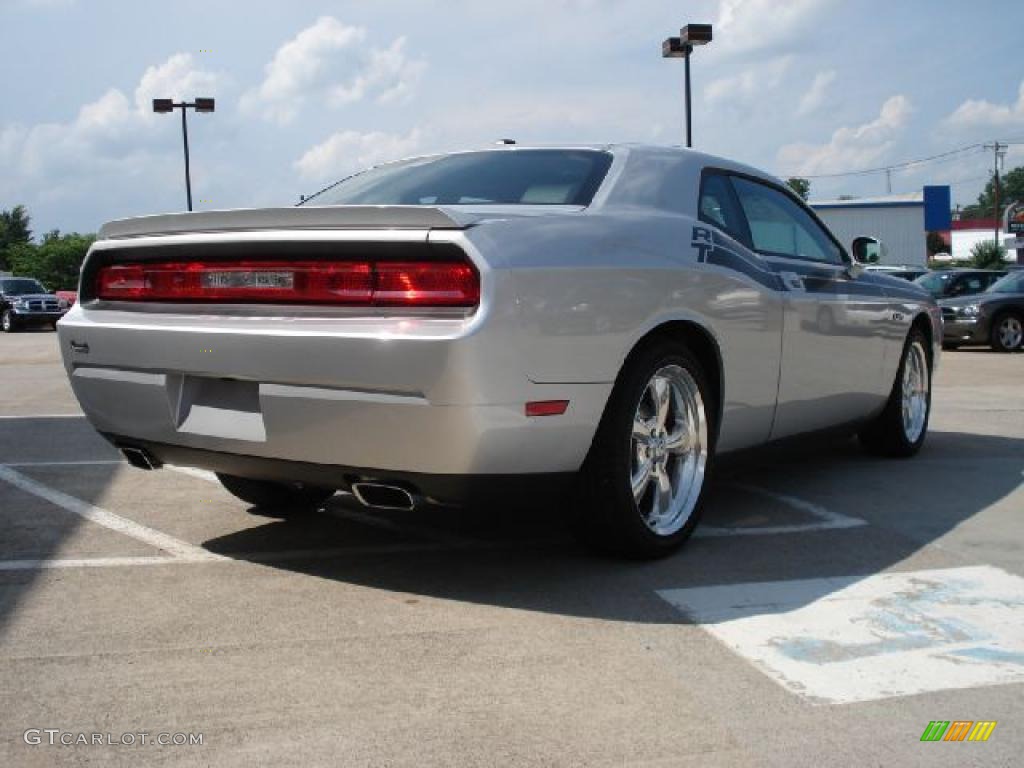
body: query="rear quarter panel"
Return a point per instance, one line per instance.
(590, 286)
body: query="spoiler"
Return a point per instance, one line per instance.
(312, 217)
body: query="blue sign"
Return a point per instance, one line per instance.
(937, 205)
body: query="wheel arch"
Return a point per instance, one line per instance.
(704, 346)
(923, 323)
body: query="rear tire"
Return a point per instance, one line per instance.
(8, 322)
(1007, 332)
(284, 499)
(900, 429)
(643, 484)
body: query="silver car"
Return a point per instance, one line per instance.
(595, 320)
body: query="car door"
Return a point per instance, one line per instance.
(834, 340)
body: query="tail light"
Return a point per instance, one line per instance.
(366, 283)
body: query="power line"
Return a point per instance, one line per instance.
(891, 166)
(888, 169)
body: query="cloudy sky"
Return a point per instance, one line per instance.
(308, 91)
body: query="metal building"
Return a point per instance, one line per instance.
(901, 222)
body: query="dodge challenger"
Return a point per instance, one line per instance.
(593, 323)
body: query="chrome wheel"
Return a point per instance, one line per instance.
(669, 450)
(1010, 332)
(916, 382)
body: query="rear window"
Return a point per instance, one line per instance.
(496, 177)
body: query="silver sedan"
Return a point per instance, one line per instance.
(594, 321)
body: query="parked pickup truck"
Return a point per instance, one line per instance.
(24, 302)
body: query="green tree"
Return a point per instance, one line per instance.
(1011, 188)
(801, 186)
(55, 262)
(14, 230)
(988, 255)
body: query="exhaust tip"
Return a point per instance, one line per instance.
(140, 458)
(381, 496)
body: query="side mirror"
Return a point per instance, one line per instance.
(867, 250)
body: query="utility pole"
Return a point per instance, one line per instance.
(888, 180)
(998, 153)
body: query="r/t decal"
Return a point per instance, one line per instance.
(703, 242)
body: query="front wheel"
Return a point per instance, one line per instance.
(284, 499)
(1007, 332)
(901, 428)
(643, 483)
(9, 324)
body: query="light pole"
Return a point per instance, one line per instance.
(163, 106)
(680, 48)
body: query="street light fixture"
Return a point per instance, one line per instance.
(680, 48)
(163, 106)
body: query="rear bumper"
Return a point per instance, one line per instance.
(434, 488)
(389, 397)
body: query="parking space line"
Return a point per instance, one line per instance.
(63, 463)
(202, 474)
(88, 562)
(240, 557)
(94, 514)
(44, 416)
(825, 519)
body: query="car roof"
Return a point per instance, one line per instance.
(617, 148)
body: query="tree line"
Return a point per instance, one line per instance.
(55, 260)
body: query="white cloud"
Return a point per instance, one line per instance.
(747, 25)
(177, 78)
(749, 83)
(850, 148)
(978, 112)
(812, 100)
(108, 134)
(529, 116)
(348, 151)
(329, 61)
(388, 73)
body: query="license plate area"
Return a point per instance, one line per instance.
(248, 279)
(212, 407)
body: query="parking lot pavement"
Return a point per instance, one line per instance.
(831, 607)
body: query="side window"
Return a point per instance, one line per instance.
(718, 206)
(973, 284)
(780, 227)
